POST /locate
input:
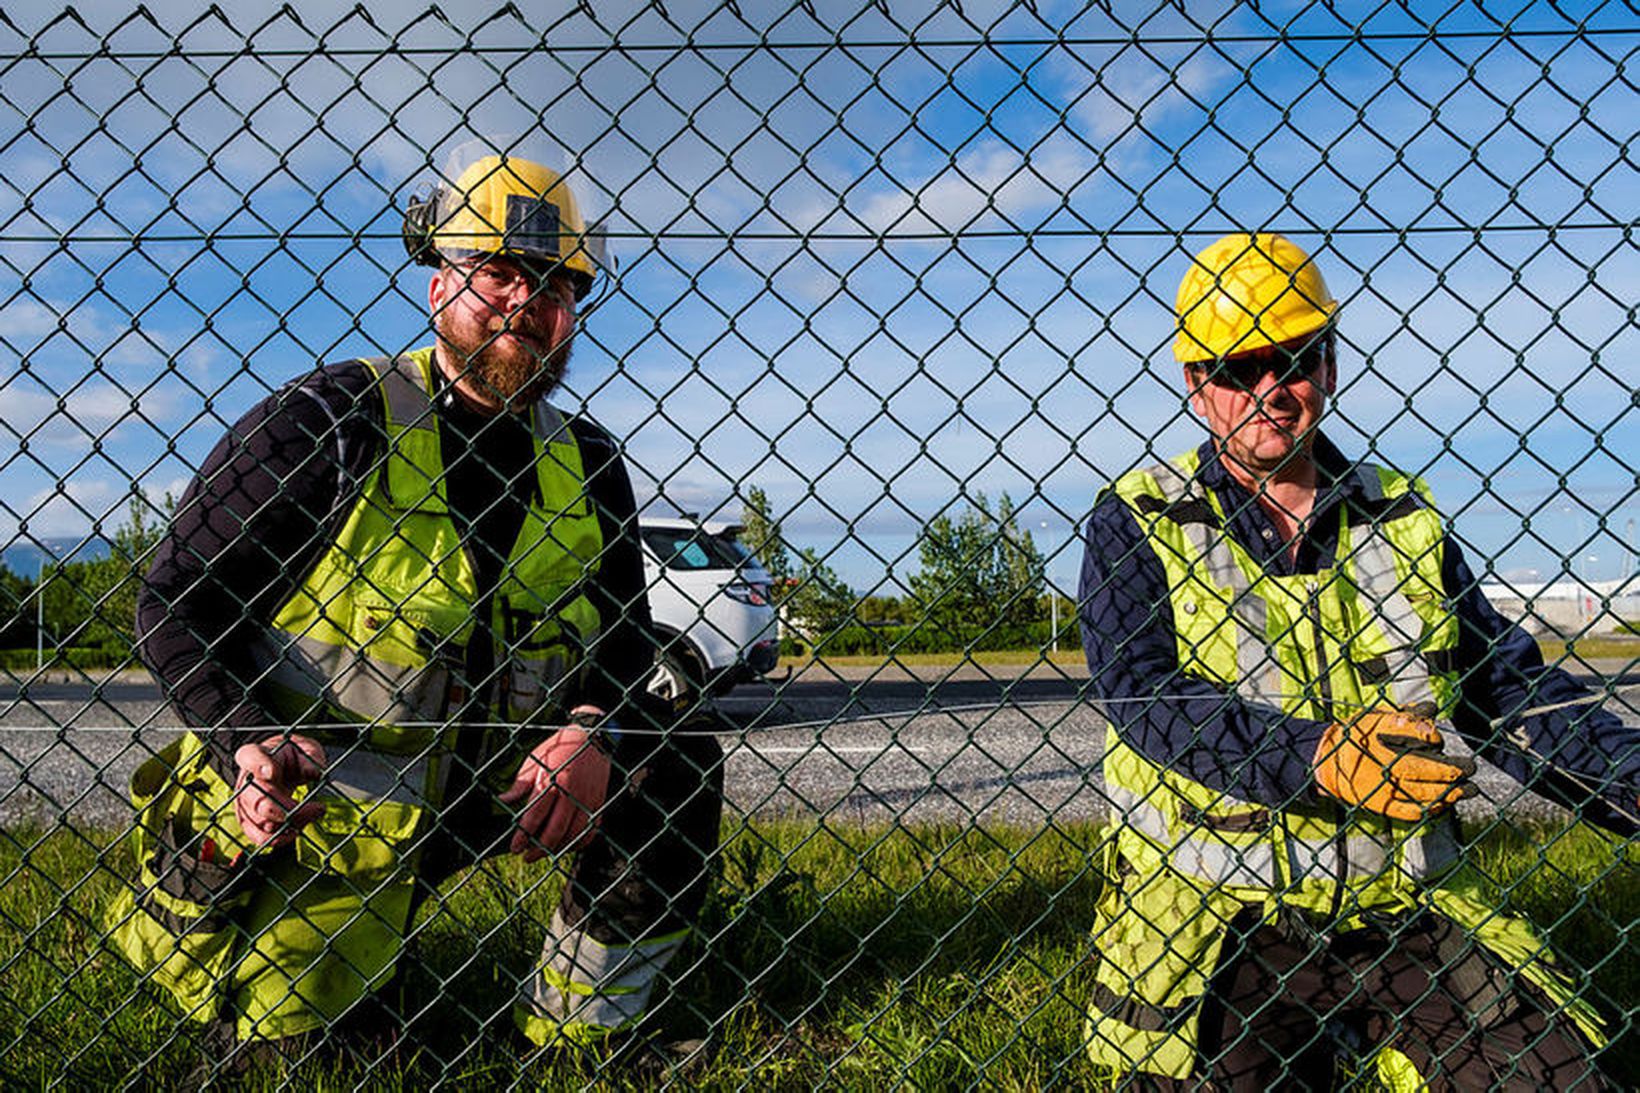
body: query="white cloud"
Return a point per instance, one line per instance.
(667, 137)
(70, 421)
(64, 340)
(24, 322)
(993, 180)
(1145, 65)
(74, 505)
(158, 486)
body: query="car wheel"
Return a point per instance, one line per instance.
(672, 681)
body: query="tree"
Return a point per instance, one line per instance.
(93, 604)
(16, 613)
(981, 577)
(762, 536)
(820, 601)
(880, 610)
(811, 596)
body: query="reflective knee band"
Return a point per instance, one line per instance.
(585, 989)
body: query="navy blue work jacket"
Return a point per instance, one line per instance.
(1583, 757)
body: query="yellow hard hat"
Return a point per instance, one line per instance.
(1246, 292)
(503, 204)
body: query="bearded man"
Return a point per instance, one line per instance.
(402, 609)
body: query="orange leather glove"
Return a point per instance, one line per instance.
(269, 771)
(1391, 762)
(562, 785)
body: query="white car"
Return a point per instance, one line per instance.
(710, 600)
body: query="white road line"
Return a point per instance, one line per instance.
(821, 749)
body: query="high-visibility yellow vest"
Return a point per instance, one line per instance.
(376, 635)
(1373, 630)
(378, 630)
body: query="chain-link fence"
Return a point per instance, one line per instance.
(313, 680)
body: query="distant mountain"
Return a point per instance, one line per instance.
(23, 557)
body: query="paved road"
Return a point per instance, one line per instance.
(857, 745)
(67, 748)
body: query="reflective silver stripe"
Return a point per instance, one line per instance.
(1369, 855)
(1209, 856)
(1137, 813)
(1408, 675)
(1435, 852)
(583, 981)
(1249, 866)
(353, 681)
(1371, 852)
(1206, 854)
(1258, 671)
(409, 409)
(535, 689)
(550, 423)
(404, 388)
(1372, 562)
(1311, 860)
(335, 431)
(1365, 857)
(552, 429)
(363, 775)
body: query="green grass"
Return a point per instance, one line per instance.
(831, 954)
(1581, 888)
(1067, 657)
(1616, 646)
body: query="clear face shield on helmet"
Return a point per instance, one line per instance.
(512, 198)
(517, 255)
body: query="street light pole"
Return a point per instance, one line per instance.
(40, 616)
(1053, 600)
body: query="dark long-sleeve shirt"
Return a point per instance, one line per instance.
(270, 496)
(1582, 757)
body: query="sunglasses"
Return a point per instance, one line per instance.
(1246, 371)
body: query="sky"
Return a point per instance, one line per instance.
(875, 259)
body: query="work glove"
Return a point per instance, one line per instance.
(562, 785)
(1390, 762)
(269, 772)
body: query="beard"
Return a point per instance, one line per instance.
(515, 371)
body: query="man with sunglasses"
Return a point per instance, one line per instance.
(403, 607)
(1275, 631)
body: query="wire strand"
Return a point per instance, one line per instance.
(1095, 704)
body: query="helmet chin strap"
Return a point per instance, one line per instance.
(604, 285)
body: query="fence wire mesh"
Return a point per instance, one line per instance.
(922, 728)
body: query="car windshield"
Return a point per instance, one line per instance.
(692, 548)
